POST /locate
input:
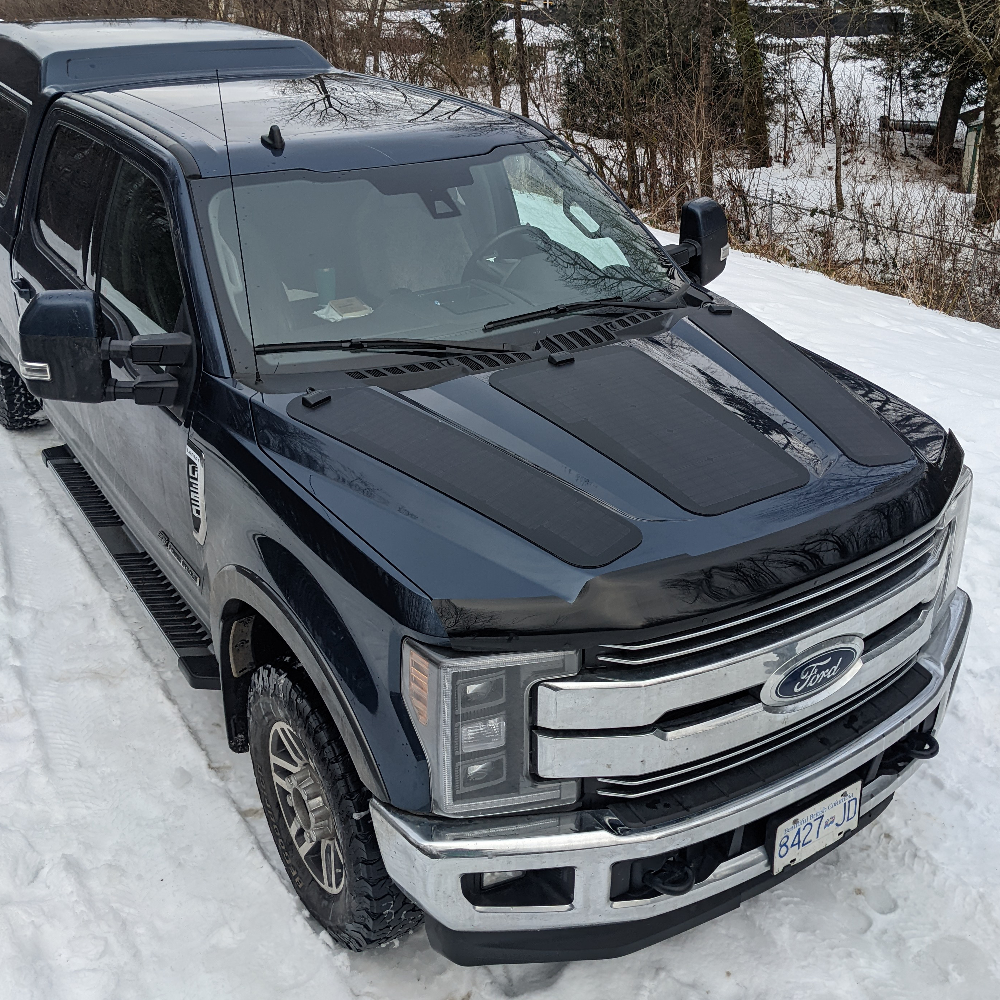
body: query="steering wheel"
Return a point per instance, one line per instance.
(521, 241)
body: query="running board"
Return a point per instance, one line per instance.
(167, 608)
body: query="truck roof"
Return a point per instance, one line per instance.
(329, 121)
(176, 76)
(74, 56)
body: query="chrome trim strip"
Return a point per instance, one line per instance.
(595, 755)
(870, 575)
(586, 704)
(427, 856)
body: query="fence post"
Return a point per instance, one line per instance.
(770, 216)
(864, 246)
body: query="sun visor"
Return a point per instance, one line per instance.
(850, 424)
(531, 503)
(660, 428)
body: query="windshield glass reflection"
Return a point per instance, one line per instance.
(420, 251)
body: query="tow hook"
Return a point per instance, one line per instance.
(915, 746)
(919, 746)
(674, 878)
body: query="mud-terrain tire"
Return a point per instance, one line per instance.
(17, 405)
(341, 877)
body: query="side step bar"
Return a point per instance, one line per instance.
(168, 609)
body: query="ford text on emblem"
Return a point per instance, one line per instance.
(814, 671)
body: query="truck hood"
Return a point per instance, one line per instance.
(645, 484)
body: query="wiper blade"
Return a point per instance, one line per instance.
(564, 309)
(397, 346)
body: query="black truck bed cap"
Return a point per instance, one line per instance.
(74, 56)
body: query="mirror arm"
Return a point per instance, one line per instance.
(154, 389)
(683, 253)
(164, 349)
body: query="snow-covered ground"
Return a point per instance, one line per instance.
(134, 862)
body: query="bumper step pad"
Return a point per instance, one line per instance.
(167, 608)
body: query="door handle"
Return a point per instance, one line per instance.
(24, 288)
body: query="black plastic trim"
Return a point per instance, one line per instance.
(178, 623)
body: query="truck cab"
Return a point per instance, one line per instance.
(559, 602)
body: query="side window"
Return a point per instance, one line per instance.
(71, 181)
(12, 122)
(139, 274)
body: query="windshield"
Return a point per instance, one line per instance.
(426, 251)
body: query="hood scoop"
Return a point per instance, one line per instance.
(656, 425)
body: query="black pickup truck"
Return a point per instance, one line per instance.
(558, 602)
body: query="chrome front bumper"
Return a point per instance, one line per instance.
(427, 857)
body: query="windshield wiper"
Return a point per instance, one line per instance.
(396, 345)
(590, 305)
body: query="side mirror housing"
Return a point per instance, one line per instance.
(63, 356)
(705, 235)
(60, 347)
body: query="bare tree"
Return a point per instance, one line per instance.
(754, 98)
(520, 57)
(974, 25)
(706, 158)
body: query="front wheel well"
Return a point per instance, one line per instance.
(248, 641)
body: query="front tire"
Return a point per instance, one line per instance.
(317, 809)
(17, 405)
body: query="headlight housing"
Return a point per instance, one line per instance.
(471, 715)
(957, 516)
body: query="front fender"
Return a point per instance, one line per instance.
(237, 584)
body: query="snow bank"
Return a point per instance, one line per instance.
(134, 861)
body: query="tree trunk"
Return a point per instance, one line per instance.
(520, 58)
(987, 210)
(838, 170)
(377, 39)
(370, 19)
(706, 159)
(754, 100)
(491, 63)
(943, 139)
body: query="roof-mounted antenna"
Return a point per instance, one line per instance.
(274, 141)
(236, 216)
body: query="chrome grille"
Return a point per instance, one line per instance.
(663, 781)
(867, 581)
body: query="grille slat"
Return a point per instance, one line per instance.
(842, 591)
(649, 784)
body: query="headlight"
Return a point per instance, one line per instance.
(957, 513)
(471, 714)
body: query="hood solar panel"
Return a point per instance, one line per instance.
(657, 426)
(853, 426)
(531, 503)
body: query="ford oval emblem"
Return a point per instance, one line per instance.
(817, 670)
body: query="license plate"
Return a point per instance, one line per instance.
(817, 827)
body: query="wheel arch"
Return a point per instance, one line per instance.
(238, 593)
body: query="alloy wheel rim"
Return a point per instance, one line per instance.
(305, 809)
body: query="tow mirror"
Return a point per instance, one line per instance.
(704, 244)
(63, 356)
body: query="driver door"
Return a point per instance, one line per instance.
(144, 449)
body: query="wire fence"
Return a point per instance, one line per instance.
(957, 276)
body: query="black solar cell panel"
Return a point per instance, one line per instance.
(532, 503)
(663, 430)
(854, 427)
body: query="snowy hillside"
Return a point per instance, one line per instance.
(134, 861)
